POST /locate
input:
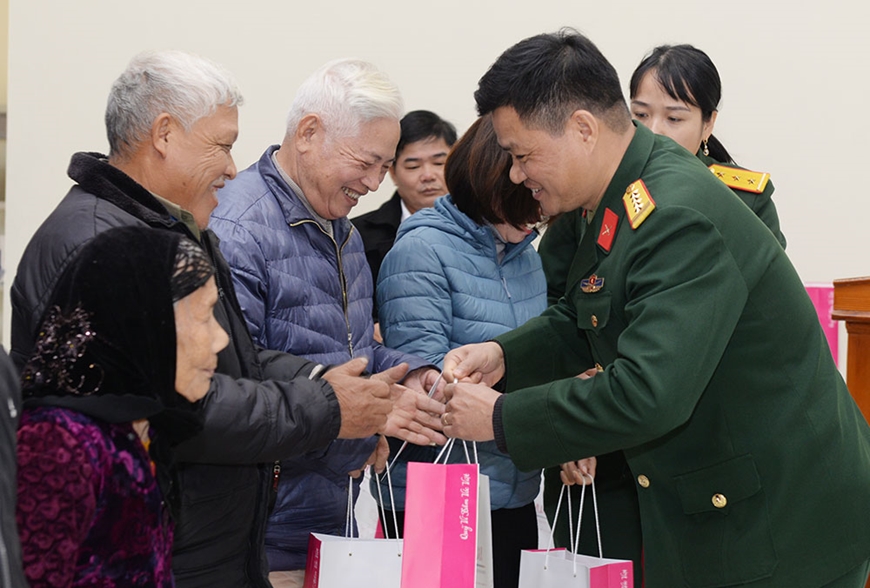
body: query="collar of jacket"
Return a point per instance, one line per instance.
(291, 205)
(447, 217)
(94, 173)
(388, 215)
(630, 169)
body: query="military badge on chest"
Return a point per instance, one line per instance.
(591, 284)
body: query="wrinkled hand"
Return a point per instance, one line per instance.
(364, 402)
(469, 411)
(415, 417)
(422, 379)
(378, 458)
(480, 362)
(572, 471)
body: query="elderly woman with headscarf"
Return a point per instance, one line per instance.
(127, 348)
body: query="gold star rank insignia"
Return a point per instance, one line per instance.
(740, 179)
(638, 203)
(591, 284)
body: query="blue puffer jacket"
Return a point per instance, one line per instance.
(440, 287)
(306, 293)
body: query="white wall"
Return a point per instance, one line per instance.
(794, 91)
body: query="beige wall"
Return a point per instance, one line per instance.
(4, 70)
(793, 90)
(4, 51)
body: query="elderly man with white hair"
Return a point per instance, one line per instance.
(302, 276)
(172, 119)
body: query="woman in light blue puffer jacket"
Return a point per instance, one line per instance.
(463, 272)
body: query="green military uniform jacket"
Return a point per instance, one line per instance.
(560, 240)
(751, 458)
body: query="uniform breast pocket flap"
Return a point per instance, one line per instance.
(712, 489)
(725, 535)
(593, 310)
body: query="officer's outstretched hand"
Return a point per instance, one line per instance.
(415, 417)
(581, 471)
(480, 362)
(364, 402)
(468, 412)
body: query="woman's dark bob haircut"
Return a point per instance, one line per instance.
(477, 173)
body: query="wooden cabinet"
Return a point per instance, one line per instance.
(852, 305)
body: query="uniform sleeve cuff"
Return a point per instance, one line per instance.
(498, 425)
(501, 385)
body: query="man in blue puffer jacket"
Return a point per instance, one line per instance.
(302, 278)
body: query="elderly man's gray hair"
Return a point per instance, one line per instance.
(346, 93)
(184, 85)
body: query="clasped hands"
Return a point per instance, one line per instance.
(473, 369)
(380, 404)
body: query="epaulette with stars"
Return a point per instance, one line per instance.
(639, 204)
(740, 179)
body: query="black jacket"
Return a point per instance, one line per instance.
(11, 575)
(261, 407)
(378, 230)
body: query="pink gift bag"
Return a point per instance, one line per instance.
(559, 568)
(441, 532)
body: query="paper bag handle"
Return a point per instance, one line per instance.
(575, 539)
(448, 447)
(580, 516)
(392, 503)
(405, 443)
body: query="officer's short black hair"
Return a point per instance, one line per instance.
(547, 77)
(421, 125)
(686, 74)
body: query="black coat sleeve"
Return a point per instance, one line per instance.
(248, 421)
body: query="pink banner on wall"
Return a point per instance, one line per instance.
(822, 296)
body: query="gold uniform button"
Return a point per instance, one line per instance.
(643, 481)
(719, 501)
(594, 321)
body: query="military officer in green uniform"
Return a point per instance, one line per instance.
(752, 461)
(675, 92)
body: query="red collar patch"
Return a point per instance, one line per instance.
(608, 230)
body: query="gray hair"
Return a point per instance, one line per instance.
(184, 85)
(346, 93)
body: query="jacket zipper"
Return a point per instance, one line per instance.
(276, 475)
(510, 298)
(504, 283)
(341, 277)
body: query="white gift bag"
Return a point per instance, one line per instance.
(560, 568)
(337, 562)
